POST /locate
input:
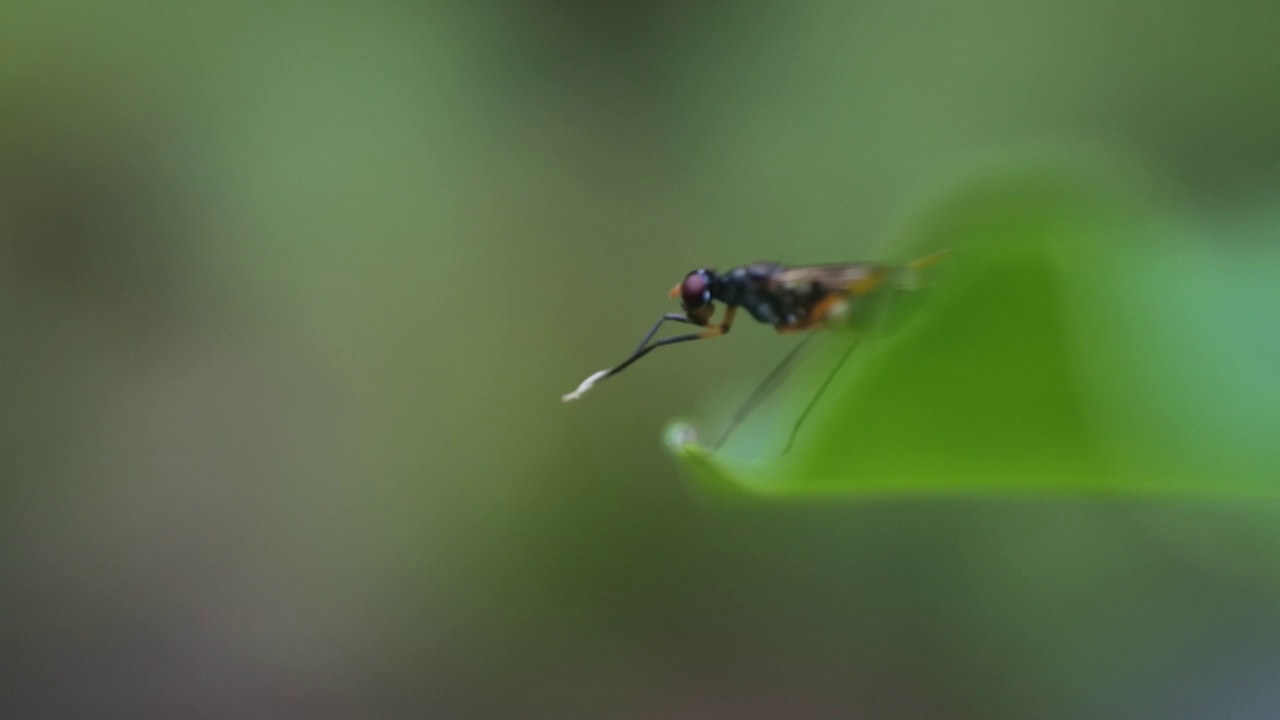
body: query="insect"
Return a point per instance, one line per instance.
(791, 299)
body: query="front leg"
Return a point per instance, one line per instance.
(710, 332)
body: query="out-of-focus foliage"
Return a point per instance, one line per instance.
(1039, 363)
(289, 293)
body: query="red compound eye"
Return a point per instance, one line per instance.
(695, 291)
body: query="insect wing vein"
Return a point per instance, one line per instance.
(851, 278)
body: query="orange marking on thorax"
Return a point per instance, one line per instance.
(823, 307)
(816, 315)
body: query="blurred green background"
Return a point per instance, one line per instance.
(290, 291)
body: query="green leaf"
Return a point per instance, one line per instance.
(1039, 362)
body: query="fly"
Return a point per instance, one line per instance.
(791, 299)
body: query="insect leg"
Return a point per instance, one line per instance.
(800, 421)
(768, 385)
(710, 332)
(673, 317)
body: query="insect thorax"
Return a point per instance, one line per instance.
(750, 287)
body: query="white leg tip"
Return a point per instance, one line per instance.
(585, 386)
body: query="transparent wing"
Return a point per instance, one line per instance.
(846, 279)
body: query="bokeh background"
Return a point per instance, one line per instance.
(289, 291)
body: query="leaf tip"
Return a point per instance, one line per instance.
(682, 439)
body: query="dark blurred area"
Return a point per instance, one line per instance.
(290, 292)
